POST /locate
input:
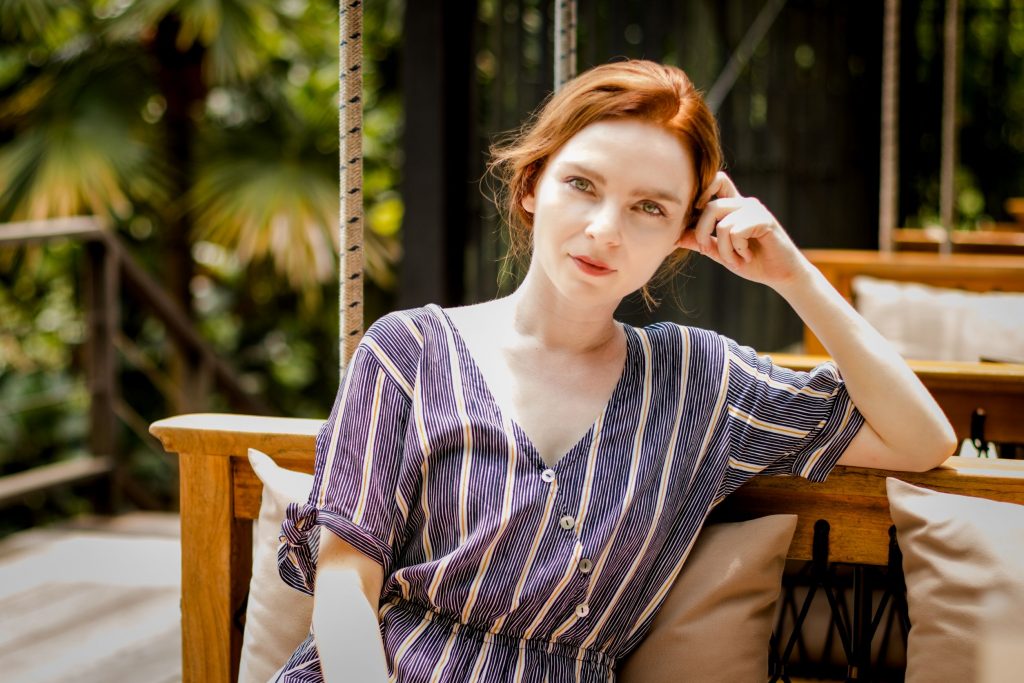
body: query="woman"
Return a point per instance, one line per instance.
(511, 487)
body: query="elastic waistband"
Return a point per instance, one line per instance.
(555, 649)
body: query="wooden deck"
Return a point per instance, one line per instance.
(94, 600)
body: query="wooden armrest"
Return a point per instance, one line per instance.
(219, 497)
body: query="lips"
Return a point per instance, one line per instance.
(592, 266)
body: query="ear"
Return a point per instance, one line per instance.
(529, 203)
(687, 238)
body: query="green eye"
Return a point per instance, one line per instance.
(581, 184)
(652, 209)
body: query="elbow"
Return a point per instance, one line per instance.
(937, 452)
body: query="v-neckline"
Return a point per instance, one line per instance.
(505, 415)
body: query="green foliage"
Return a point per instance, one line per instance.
(96, 103)
(990, 111)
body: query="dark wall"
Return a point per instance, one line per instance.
(800, 130)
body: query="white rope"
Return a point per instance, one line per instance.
(950, 88)
(565, 42)
(888, 185)
(350, 223)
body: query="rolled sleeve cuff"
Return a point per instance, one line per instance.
(300, 544)
(819, 458)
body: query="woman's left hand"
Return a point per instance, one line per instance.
(742, 235)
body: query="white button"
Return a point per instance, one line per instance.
(586, 565)
(548, 475)
(582, 611)
(567, 522)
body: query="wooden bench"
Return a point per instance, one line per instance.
(220, 496)
(994, 239)
(972, 272)
(960, 387)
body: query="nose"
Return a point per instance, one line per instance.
(603, 225)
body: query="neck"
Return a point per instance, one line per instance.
(551, 321)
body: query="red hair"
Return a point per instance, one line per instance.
(657, 93)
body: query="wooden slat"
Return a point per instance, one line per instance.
(14, 487)
(975, 272)
(76, 227)
(854, 502)
(975, 241)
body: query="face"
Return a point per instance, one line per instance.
(609, 207)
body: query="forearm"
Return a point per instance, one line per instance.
(888, 394)
(346, 628)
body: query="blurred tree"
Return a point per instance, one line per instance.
(205, 132)
(213, 117)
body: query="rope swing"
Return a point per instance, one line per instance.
(888, 186)
(350, 152)
(565, 42)
(350, 217)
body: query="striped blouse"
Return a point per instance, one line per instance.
(500, 568)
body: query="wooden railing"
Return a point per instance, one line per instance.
(111, 269)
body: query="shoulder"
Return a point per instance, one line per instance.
(401, 329)
(691, 344)
(395, 342)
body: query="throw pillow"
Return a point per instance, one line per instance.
(961, 555)
(716, 623)
(277, 618)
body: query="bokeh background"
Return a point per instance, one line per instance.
(203, 136)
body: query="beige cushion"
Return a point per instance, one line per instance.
(277, 617)
(935, 323)
(716, 622)
(961, 557)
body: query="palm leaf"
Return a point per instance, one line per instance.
(283, 211)
(80, 145)
(50, 21)
(229, 29)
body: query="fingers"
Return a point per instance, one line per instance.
(721, 186)
(726, 229)
(724, 244)
(714, 212)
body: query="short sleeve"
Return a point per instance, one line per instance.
(781, 421)
(359, 456)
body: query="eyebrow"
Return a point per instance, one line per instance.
(652, 193)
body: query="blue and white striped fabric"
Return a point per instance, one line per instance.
(500, 568)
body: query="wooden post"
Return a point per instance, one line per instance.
(211, 646)
(216, 525)
(437, 62)
(103, 320)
